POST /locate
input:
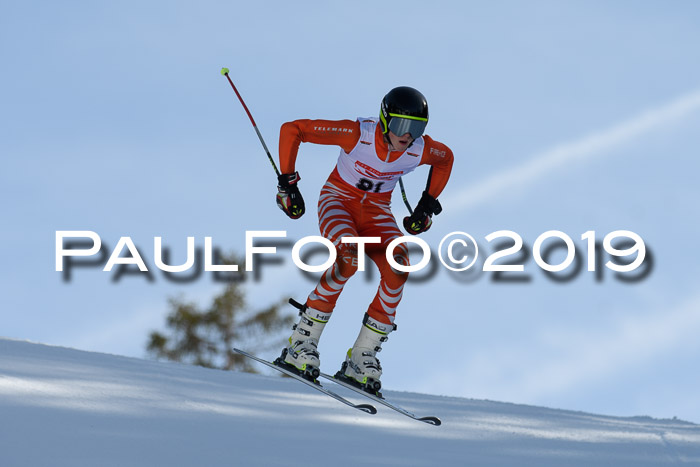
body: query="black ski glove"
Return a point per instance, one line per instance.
(289, 198)
(421, 219)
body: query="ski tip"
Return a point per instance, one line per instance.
(431, 420)
(367, 408)
(224, 71)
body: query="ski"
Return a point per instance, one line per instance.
(367, 408)
(431, 420)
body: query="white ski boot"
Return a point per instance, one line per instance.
(302, 351)
(361, 367)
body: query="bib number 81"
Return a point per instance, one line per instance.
(367, 185)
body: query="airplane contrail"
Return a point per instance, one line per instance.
(585, 148)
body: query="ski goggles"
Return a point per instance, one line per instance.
(402, 124)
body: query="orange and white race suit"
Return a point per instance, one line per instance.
(356, 201)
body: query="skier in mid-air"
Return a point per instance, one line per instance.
(355, 202)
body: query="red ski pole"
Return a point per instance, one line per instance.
(224, 71)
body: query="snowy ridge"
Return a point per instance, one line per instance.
(64, 407)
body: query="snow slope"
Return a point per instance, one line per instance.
(64, 407)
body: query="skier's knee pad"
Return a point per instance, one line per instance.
(400, 257)
(347, 259)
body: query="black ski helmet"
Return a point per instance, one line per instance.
(404, 110)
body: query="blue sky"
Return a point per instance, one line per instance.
(571, 116)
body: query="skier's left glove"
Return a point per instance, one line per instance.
(289, 198)
(421, 219)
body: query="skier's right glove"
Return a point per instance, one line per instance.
(289, 198)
